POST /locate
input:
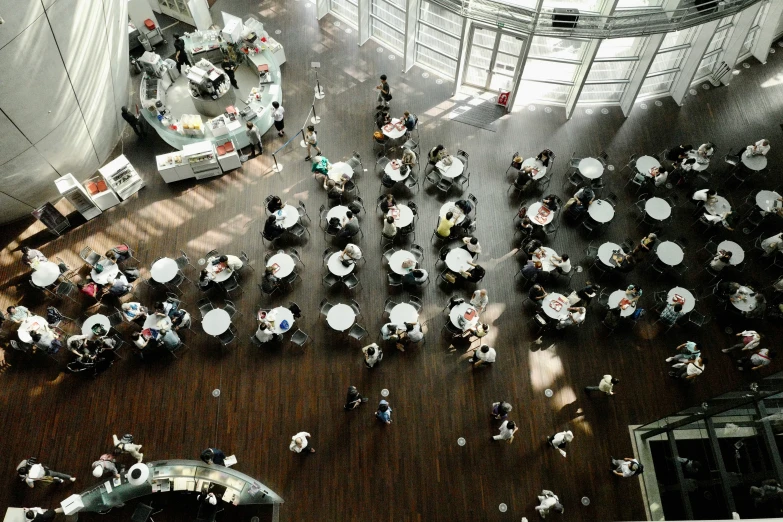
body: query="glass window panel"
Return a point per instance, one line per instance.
(706, 66)
(501, 81)
(582, 5)
(761, 15)
(538, 91)
(676, 38)
(484, 38)
(625, 4)
(435, 40)
(620, 47)
(480, 57)
(389, 15)
(608, 92)
(657, 85)
(543, 47)
(506, 63)
(444, 40)
(510, 45)
(611, 70)
(346, 10)
(543, 70)
(389, 26)
(436, 61)
(520, 3)
(444, 20)
(476, 75)
(750, 40)
(667, 60)
(389, 37)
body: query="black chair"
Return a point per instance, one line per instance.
(357, 332)
(143, 513)
(351, 281)
(330, 280)
(324, 307)
(300, 338)
(229, 336)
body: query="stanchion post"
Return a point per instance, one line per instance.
(277, 167)
(315, 119)
(319, 92)
(303, 143)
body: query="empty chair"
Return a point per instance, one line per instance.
(351, 281)
(298, 230)
(231, 308)
(204, 305)
(299, 338)
(212, 253)
(327, 254)
(66, 289)
(302, 210)
(415, 302)
(294, 253)
(90, 256)
(324, 307)
(183, 260)
(231, 284)
(394, 279)
(380, 165)
(357, 332)
(431, 174)
(611, 198)
(418, 252)
(444, 184)
(115, 319)
(245, 260)
(229, 336)
(389, 305)
(412, 181)
(355, 307)
(329, 280)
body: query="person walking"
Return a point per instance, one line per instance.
(500, 410)
(311, 139)
(628, 467)
(105, 464)
(758, 360)
(384, 93)
(38, 514)
(254, 135)
(229, 67)
(548, 501)
(383, 413)
(372, 355)
(507, 431)
(606, 385)
(278, 114)
(559, 441)
(134, 121)
(689, 351)
(750, 341)
(300, 443)
(180, 56)
(31, 471)
(353, 399)
(480, 355)
(689, 370)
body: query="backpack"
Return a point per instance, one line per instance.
(53, 315)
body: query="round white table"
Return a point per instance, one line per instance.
(340, 317)
(396, 260)
(605, 252)
(450, 171)
(449, 207)
(221, 276)
(537, 165)
(285, 264)
(457, 259)
(614, 301)
(403, 313)
(717, 206)
(339, 212)
(459, 311)
(153, 320)
(45, 274)
(164, 270)
(690, 300)
(336, 266)
(747, 304)
(278, 315)
(287, 216)
(555, 305)
(754, 162)
(30, 324)
(109, 272)
(394, 130)
(340, 172)
(601, 211)
(698, 166)
(645, 163)
(402, 214)
(670, 253)
(591, 168)
(535, 218)
(393, 170)
(546, 259)
(92, 321)
(657, 208)
(737, 252)
(768, 200)
(216, 321)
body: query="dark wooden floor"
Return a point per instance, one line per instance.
(413, 469)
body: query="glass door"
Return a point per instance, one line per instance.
(493, 59)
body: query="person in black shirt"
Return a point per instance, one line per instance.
(551, 202)
(274, 204)
(587, 292)
(229, 67)
(475, 274)
(387, 203)
(213, 456)
(134, 122)
(384, 93)
(271, 228)
(354, 398)
(180, 56)
(536, 294)
(678, 153)
(544, 157)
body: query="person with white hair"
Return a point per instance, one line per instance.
(548, 501)
(105, 464)
(408, 158)
(559, 441)
(300, 443)
(126, 445)
(480, 300)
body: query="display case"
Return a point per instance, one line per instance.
(228, 156)
(202, 159)
(101, 193)
(122, 177)
(172, 167)
(74, 192)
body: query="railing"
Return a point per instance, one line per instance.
(621, 24)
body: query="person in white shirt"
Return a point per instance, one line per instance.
(760, 148)
(548, 501)
(559, 441)
(278, 113)
(30, 471)
(750, 341)
(659, 175)
(705, 152)
(480, 300)
(480, 355)
(232, 262)
(372, 355)
(703, 195)
(562, 263)
(389, 228)
(413, 332)
(756, 361)
(627, 467)
(471, 244)
(689, 370)
(299, 443)
(351, 252)
(576, 316)
(721, 260)
(606, 385)
(507, 431)
(264, 334)
(772, 244)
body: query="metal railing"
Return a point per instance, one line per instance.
(621, 24)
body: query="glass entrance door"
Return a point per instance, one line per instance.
(493, 59)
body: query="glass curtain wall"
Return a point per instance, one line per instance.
(750, 40)
(387, 23)
(714, 53)
(666, 65)
(615, 62)
(550, 69)
(348, 10)
(437, 39)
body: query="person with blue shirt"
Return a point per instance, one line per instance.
(213, 456)
(688, 352)
(384, 412)
(408, 120)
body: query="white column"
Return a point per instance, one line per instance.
(321, 8)
(733, 47)
(767, 31)
(691, 63)
(646, 58)
(523, 60)
(364, 21)
(462, 52)
(411, 19)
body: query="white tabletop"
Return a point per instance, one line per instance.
(287, 216)
(536, 164)
(45, 273)
(450, 171)
(221, 276)
(216, 321)
(339, 212)
(614, 301)
(277, 316)
(402, 214)
(645, 163)
(670, 253)
(657, 208)
(745, 305)
(737, 253)
(690, 301)
(767, 200)
(28, 325)
(341, 317)
(340, 171)
(396, 260)
(393, 130)
(92, 321)
(549, 301)
(336, 266)
(457, 259)
(754, 162)
(591, 168)
(393, 170)
(449, 207)
(164, 270)
(546, 259)
(702, 163)
(717, 206)
(109, 273)
(601, 211)
(285, 264)
(459, 311)
(153, 320)
(605, 252)
(403, 313)
(532, 213)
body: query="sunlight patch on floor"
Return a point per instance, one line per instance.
(545, 367)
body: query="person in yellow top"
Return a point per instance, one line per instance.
(445, 224)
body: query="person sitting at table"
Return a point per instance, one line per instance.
(704, 196)
(623, 263)
(671, 314)
(678, 153)
(525, 177)
(445, 225)
(18, 313)
(587, 292)
(659, 175)
(30, 255)
(471, 244)
(544, 157)
(45, 339)
(388, 203)
(408, 120)
(584, 197)
(205, 279)
(721, 260)
(350, 226)
(465, 206)
(389, 228)
(474, 274)
(479, 300)
(274, 204)
(532, 248)
(705, 152)
(728, 219)
(537, 294)
(333, 189)
(232, 262)
(350, 254)
(532, 270)
(551, 202)
(118, 254)
(181, 319)
(264, 332)
(633, 293)
(90, 288)
(392, 332)
(119, 286)
(437, 153)
(382, 118)
(139, 341)
(478, 331)
(645, 244)
(408, 158)
(760, 148)
(412, 334)
(576, 316)
(562, 264)
(134, 311)
(772, 244)
(526, 227)
(272, 228)
(415, 277)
